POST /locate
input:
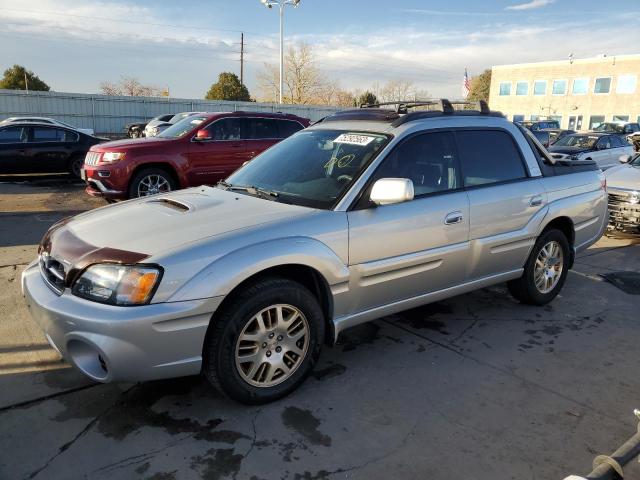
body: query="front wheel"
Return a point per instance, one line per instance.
(75, 165)
(264, 342)
(545, 271)
(151, 181)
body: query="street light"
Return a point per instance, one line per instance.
(281, 4)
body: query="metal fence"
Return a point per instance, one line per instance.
(108, 115)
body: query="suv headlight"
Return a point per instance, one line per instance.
(112, 157)
(118, 284)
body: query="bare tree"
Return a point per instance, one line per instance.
(129, 86)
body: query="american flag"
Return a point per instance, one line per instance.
(466, 87)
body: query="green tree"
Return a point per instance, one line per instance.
(367, 98)
(480, 87)
(14, 79)
(228, 87)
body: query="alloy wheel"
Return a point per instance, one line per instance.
(152, 185)
(548, 267)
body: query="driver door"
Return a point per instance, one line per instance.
(409, 249)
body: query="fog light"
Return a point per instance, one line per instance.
(104, 173)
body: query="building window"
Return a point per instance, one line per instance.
(580, 86)
(534, 118)
(522, 88)
(627, 84)
(602, 85)
(540, 87)
(557, 118)
(595, 121)
(518, 118)
(559, 87)
(621, 118)
(505, 89)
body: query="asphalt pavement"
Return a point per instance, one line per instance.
(475, 387)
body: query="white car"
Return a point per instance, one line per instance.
(52, 121)
(623, 186)
(603, 148)
(154, 130)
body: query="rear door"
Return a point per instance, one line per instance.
(502, 199)
(261, 133)
(409, 249)
(50, 148)
(606, 152)
(13, 149)
(215, 159)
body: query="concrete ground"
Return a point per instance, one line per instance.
(476, 387)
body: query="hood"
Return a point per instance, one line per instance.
(568, 150)
(129, 143)
(623, 176)
(160, 223)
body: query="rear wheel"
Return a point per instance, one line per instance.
(151, 181)
(75, 165)
(545, 271)
(264, 342)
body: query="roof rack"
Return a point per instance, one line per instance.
(441, 105)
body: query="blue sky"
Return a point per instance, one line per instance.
(75, 44)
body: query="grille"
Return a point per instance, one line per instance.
(53, 273)
(621, 211)
(92, 158)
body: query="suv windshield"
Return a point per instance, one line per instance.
(578, 141)
(182, 127)
(609, 127)
(311, 168)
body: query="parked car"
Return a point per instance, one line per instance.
(154, 130)
(154, 122)
(201, 149)
(621, 128)
(556, 134)
(135, 129)
(534, 125)
(623, 185)
(47, 120)
(605, 149)
(28, 147)
(543, 137)
(362, 215)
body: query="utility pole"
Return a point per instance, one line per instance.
(26, 82)
(242, 58)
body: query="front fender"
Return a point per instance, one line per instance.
(227, 272)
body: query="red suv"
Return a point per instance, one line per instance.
(201, 149)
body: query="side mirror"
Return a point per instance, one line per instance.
(388, 191)
(624, 158)
(202, 136)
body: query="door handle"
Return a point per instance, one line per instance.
(453, 218)
(535, 201)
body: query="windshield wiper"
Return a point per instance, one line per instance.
(259, 192)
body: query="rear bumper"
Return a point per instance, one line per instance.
(109, 343)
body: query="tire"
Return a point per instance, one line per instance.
(535, 287)
(251, 382)
(75, 165)
(143, 182)
(134, 134)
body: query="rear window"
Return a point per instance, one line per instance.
(53, 135)
(262, 129)
(488, 156)
(288, 128)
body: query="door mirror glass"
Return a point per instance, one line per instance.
(624, 158)
(202, 136)
(388, 191)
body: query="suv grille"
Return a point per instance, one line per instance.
(92, 158)
(53, 273)
(621, 211)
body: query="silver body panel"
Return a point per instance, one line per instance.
(375, 261)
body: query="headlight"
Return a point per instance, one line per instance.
(112, 157)
(118, 284)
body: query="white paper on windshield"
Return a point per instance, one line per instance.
(353, 139)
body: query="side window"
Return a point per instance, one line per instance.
(604, 143)
(226, 129)
(429, 160)
(48, 135)
(489, 156)
(13, 135)
(288, 128)
(617, 142)
(262, 129)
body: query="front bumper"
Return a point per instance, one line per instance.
(109, 343)
(105, 181)
(624, 214)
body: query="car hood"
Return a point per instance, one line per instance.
(129, 143)
(623, 176)
(568, 150)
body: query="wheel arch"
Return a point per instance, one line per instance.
(566, 226)
(166, 166)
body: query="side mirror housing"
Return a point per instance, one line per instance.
(388, 191)
(624, 158)
(202, 136)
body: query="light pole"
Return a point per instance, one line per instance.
(281, 5)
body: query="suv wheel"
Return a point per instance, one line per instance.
(545, 271)
(151, 181)
(75, 165)
(264, 342)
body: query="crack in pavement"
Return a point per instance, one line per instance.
(511, 374)
(255, 434)
(28, 403)
(14, 264)
(80, 434)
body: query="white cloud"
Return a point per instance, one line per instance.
(530, 5)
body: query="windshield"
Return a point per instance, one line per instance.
(609, 127)
(311, 168)
(182, 127)
(635, 161)
(578, 141)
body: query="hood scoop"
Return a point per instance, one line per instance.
(172, 204)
